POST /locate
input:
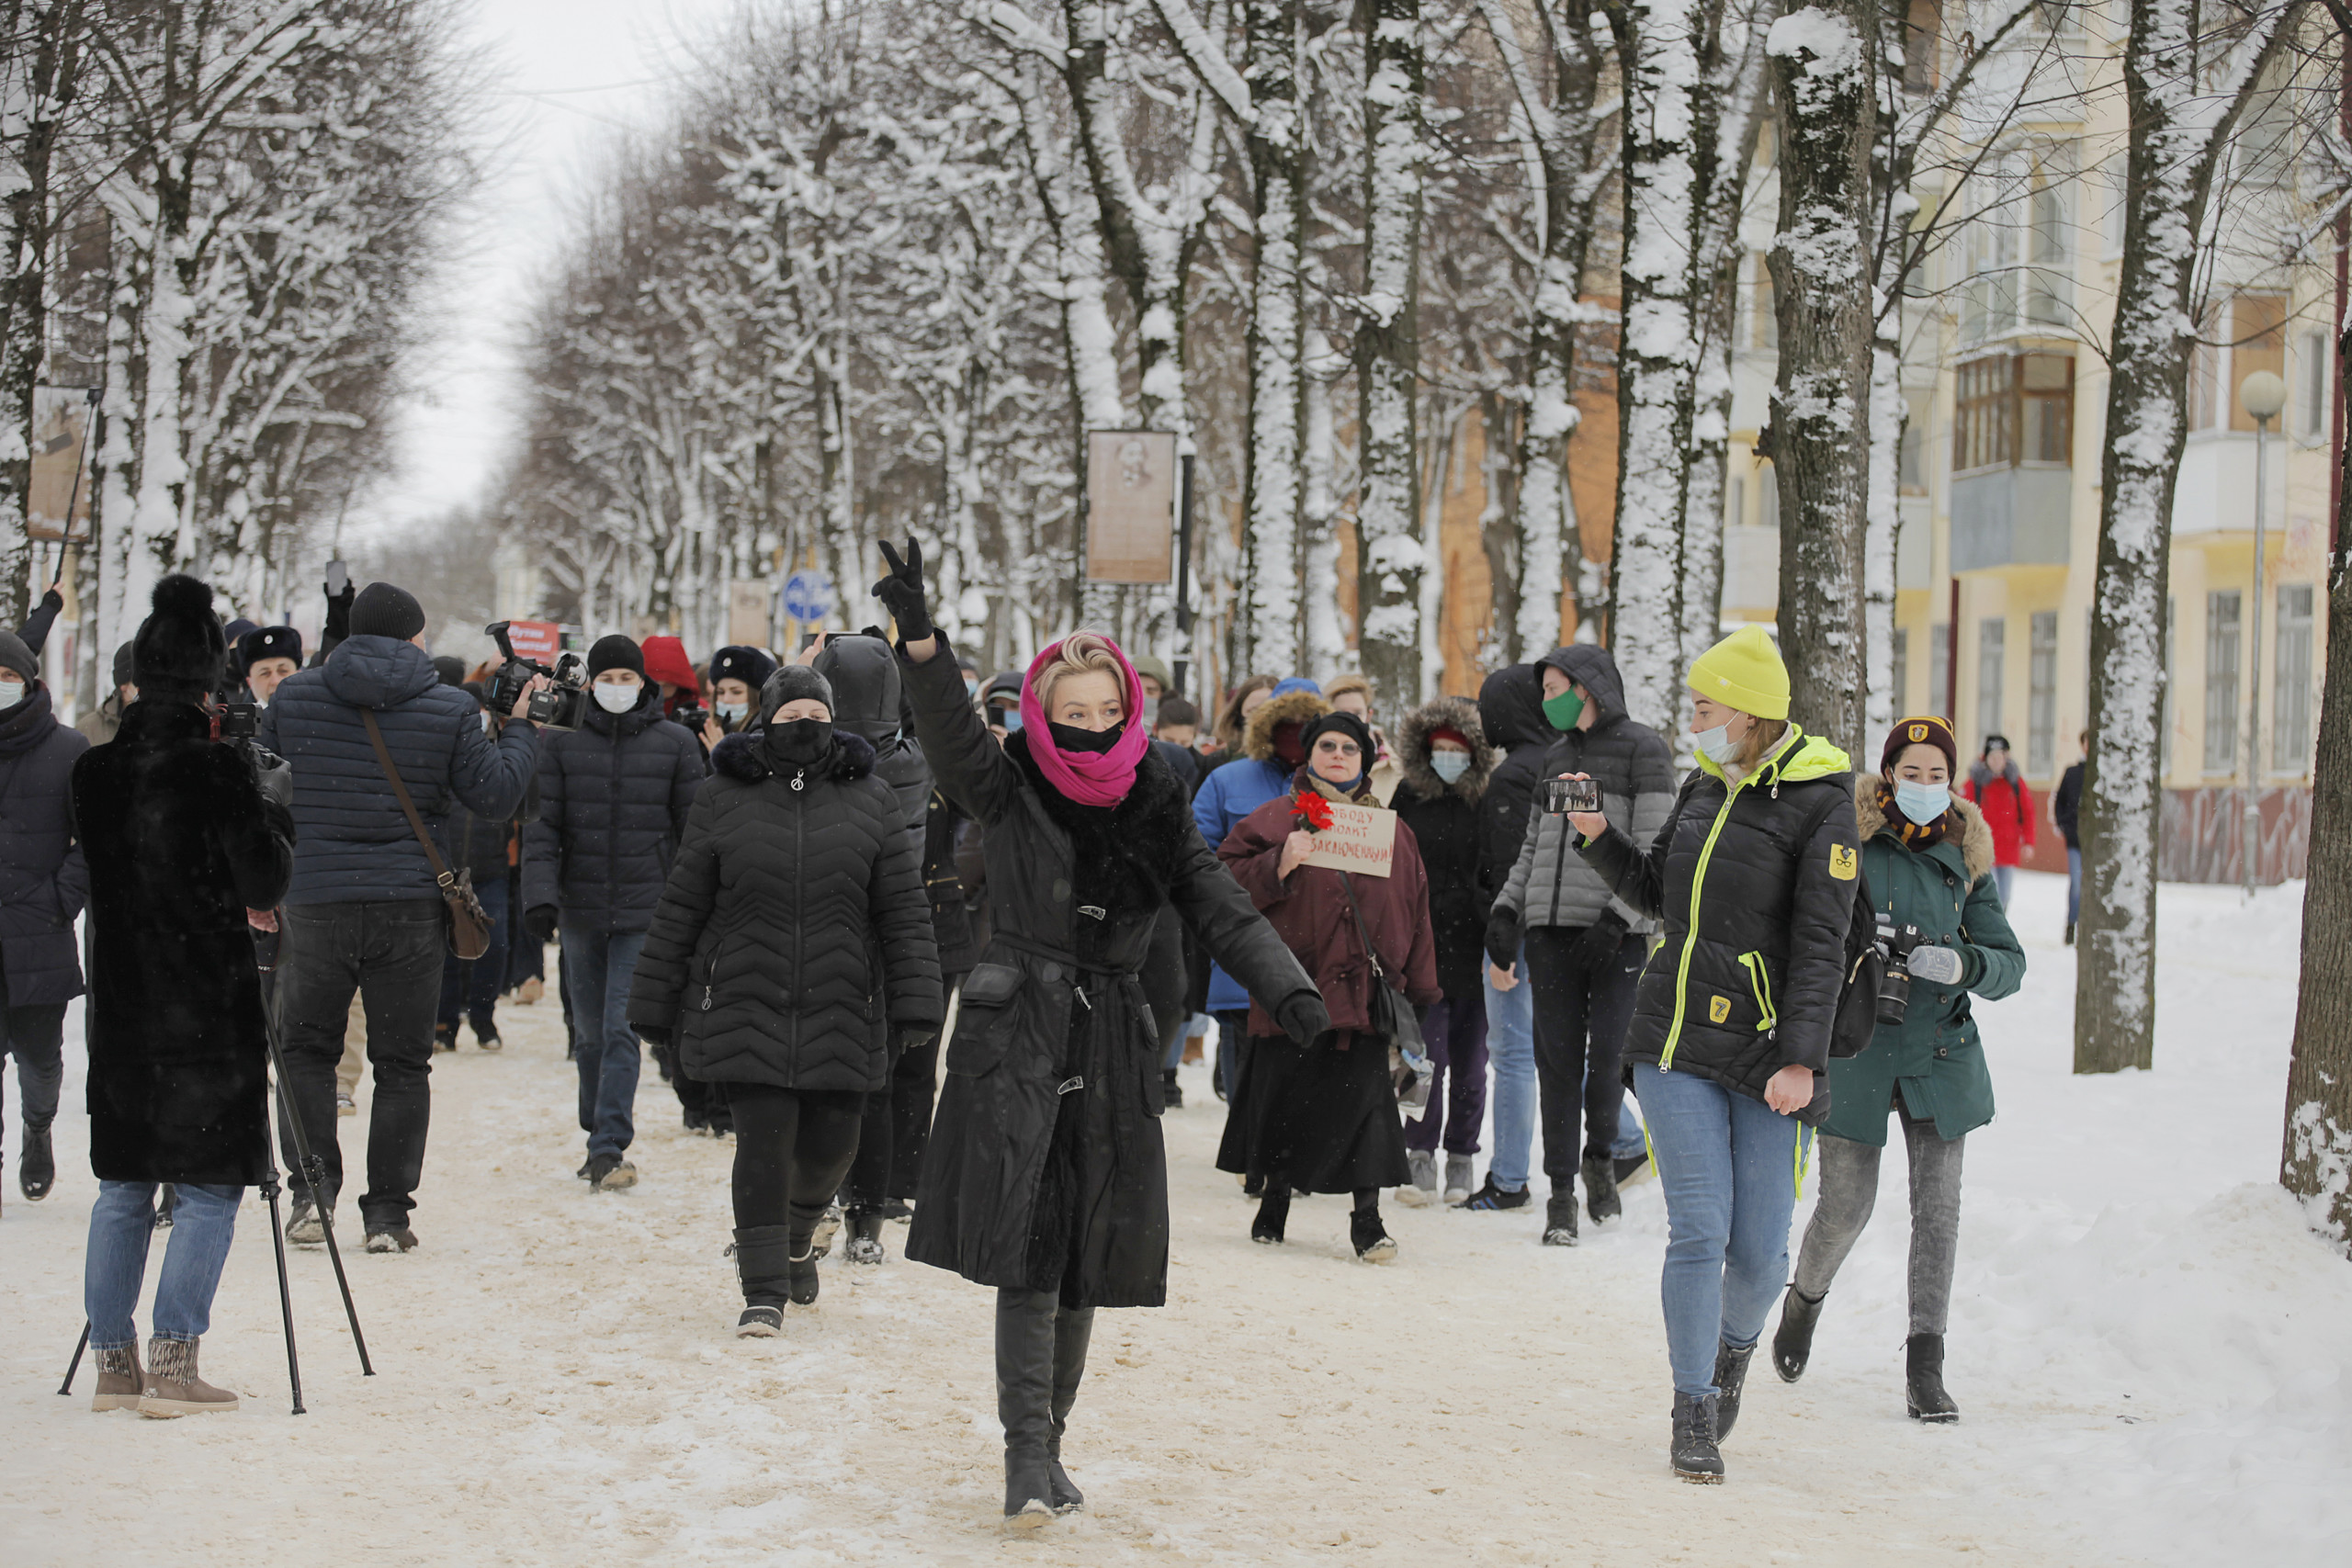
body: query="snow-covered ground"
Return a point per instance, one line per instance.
(2150, 1351)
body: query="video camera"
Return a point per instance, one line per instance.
(560, 706)
(694, 718)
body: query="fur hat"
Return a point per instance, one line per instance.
(179, 648)
(748, 665)
(790, 684)
(384, 610)
(268, 642)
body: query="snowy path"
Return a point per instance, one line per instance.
(2151, 1356)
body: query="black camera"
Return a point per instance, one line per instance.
(240, 721)
(694, 718)
(1562, 796)
(560, 706)
(1894, 989)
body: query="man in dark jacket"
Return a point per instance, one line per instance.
(2065, 815)
(365, 911)
(488, 847)
(1510, 709)
(43, 884)
(612, 800)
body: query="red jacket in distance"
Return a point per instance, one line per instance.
(2007, 806)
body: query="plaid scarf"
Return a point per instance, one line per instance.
(1914, 837)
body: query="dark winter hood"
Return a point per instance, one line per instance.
(1511, 706)
(744, 758)
(633, 721)
(1589, 666)
(1413, 749)
(378, 671)
(27, 724)
(1300, 708)
(864, 674)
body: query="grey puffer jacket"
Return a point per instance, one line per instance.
(1551, 886)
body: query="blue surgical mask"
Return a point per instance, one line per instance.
(1449, 765)
(1717, 744)
(1922, 803)
(732, 713)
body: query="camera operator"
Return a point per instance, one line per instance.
(42, 886)
(1929, 858)
(737, 673)
(490, 850)
(187, 845)
(365, 911)
(268, 655)
(613, 801)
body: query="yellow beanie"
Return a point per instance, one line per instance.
(1744, 672)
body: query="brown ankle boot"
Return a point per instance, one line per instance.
(172, 1387)
(118, 1379)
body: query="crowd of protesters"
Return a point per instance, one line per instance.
(931, 944)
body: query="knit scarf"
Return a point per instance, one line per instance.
(1089, 778)
(1914, 837)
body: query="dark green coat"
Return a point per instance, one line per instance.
(1934, 1057)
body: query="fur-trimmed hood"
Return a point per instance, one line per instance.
(1291, 707)
(744, 758)
(1413, 749)
(1976, 836)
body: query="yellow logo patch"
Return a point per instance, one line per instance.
(1718, 1009)
(1843, 863)
(1919, 733)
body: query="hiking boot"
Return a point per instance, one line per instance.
(1923, 1379)
(864, 1244)
(1273, 1212)
(172, 1387)
(1696, 1458)
(1370, 1239)
(1601, 1190)
(1792, 1341)
(1420, 1186)
(1490, 1199)
(1457, 1179)
(396, 1239)
(1731, 1376)
(119, 1379)
(1172, 1093)
(304, 1225)
(1560, 1218)
(610, 1173)
(37, 1167)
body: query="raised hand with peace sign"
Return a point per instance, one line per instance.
(901, 592)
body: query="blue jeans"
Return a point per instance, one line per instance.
(1630, 1142)
(597, 967)
(477, 984)
(122, 1221)
(2074, 883)
(1511, 1047)
(1728, 1165)
(2003, 877)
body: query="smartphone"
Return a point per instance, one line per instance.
(338, 578)
(808, 640)
(1562, 796)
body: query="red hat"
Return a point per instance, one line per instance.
(1447, 732)
(1926, 729)
(665, 659)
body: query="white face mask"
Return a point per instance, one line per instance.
(614, 697)
(1449, 765)
(732, 713)
(12, 691)
(1718, 745)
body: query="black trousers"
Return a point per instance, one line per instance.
(792, 1148)
(390, 952)
(896, 1125)
(1580, 1020)
(34, 1034)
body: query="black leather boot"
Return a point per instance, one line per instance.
(762, 1255)
(1792, 1341)
(1923, 1379)
(1273, 1213)
(1696, 1458)
(37, 1167)
(1024, 1403)
(1731, 1376)
(1073, 1331)
(1601, 1200)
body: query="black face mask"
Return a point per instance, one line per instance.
(798, 740)
(1069, 738)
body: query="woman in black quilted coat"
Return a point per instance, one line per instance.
(792, 944)
(1045, 1176)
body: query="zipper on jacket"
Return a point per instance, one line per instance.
(1691, 936)
(1760, 984)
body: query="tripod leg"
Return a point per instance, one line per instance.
(314, 1174)
(75, 1365)
(285, 1299)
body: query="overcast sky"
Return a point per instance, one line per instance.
(567, 74)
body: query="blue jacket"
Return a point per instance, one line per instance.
(353, 843)
(612, 800)
(43, 881)
(1232, 792)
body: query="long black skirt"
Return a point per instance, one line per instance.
(1319, 1118)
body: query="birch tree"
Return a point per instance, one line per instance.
(1390, 557)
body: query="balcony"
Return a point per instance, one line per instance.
(1751, 571)
(2012, 517)
(2214, 493)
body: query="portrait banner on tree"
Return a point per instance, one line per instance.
(1130, 505)
(1357, 838)
(59, 466)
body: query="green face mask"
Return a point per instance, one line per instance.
(1563, 710)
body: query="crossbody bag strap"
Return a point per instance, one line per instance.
(441, 872)
(1346, 884)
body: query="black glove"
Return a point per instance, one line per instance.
(656, 1037)
(1600, 942)
(1502, 937)
(338, 624)
(906, 1037)
(273, 774)
(539, 922)
(901, 592)
(1303, 1016)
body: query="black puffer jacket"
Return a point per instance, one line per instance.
(1756, 881)
(355, 844)
(793, 933)
(1510, 705)
(613, 801)
(1446, 822)
(43, 881)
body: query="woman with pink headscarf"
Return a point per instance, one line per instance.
(1045, 1176)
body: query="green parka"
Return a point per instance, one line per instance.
(1933, 1057)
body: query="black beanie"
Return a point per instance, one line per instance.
(122, 665)
(451, 670)
(1341, 723)
(179, 648)
(14, 655)
(383, 610)
(790, 684)
(614, 652)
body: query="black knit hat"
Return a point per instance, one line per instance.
(1343, 723)
(180, 650)
(122, 665)
(14, 655)
(451, 669)
(790, 684)
(748, 665)
(383, 610)
(614, 652)
(268, 642)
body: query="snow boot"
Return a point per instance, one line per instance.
(36, 1166)
(1601, 1199)
(399, 1238)
(1370, 1237)
(1731, 1376)
(764, 1268)
(1172, 1093)
(1457, 1179)
(802, 1268)
(1923, 1379)
(1490, 1199)
(119, 1379)
(760, 1323)
(1073, 1330)
(1422, 1187)
(304, 1226)
(822, 1238)
(1024, 1400)
(1696, 1458)
(172, 1387)
(444, 1038)
(485, 1033)
(864, 1244)
(1560, 1218)
(1792, 1341)
(1273, 1212)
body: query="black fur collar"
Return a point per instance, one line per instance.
(1125, 856)
(741, 757)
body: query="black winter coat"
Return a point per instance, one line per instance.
(613, 801)
(1511, 706)
(355, 843)
(1756, 883)
(1445, 821)
(952, 923)
(181, 843)
(1045, 1168)
(43, 881)
(793, 933)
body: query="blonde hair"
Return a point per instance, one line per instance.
(1763, 734)
(1084, 652)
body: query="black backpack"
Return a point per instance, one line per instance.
(1865, 968)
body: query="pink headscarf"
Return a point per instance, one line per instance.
(1089, 778)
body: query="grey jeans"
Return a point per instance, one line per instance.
(1849, 1193)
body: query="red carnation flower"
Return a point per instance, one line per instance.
(1314, 811)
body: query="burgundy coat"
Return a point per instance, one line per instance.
(1309, 912)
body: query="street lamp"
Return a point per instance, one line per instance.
(2262, 394)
